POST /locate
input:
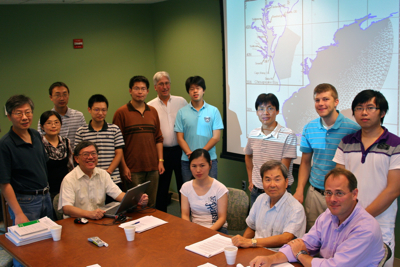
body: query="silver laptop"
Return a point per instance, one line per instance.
(130, 201)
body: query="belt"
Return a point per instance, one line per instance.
(34, 192)
(259, 191)
(319, 190)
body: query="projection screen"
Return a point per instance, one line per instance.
(288, 47)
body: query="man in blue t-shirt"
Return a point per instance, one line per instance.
(198, 125)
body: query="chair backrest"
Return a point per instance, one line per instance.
(59, 215)
(238, 207)
(388, 254)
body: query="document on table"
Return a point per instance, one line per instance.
(210, 246)
(30, 229)
(145, 223)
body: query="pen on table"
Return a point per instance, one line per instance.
(136, 223)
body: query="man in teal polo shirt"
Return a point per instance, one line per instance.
(319, 142)
(198, 125)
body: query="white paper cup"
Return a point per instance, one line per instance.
(56, 232)
(130, 232)
(230, 254)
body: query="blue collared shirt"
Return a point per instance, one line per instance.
(286, 216)
(323, 143)
(198, 126)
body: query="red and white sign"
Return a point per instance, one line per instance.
(78, 43)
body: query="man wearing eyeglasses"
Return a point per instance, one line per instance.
(106, 136)
(373, 155)
(270, 141)
(140, 126)
(344, 235)
(84, 189)
(23, 169)
(167, 106)
(319, 142)
(71, 119)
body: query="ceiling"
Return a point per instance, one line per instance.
(30, 2)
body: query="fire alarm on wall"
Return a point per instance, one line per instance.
(78, 43)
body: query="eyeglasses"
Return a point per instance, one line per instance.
(85, 155)
(98, 110)
(143, 89)
(263, 109)
(368, 109)
(19, 114)
(65, 95)
(164, 84)
(51, 123)
(338, 194)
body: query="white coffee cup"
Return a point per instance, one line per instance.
(230, 254)
(56, 232)
(130, 232)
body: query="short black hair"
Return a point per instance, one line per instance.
(267, 98)
(96, 99)
(16, 101)
(197, 80)
(138, 78)
(366, 95)
(83, 145)
(57, 84)
(271, 165)
(47, 114)
(341, 171)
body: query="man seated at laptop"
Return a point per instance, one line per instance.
(84, 189)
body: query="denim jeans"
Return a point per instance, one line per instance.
(187, 174)
(34, 207)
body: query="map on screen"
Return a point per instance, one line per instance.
(289, 47)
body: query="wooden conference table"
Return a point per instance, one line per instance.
(160, 246)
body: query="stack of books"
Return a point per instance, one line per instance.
(26, 233)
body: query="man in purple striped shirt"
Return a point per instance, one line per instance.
(344, 235)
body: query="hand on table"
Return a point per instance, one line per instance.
(240, 241)
(264, 261)
(297, 245)
(96, 214)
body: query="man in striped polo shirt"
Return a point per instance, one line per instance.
(373, 155)
(270, 141)
(319, 142)
(71, 119)
(106, 136)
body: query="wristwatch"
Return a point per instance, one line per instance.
(254, 242)
(300, 252)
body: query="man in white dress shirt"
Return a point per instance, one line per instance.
(167, 107)
(83, 190)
